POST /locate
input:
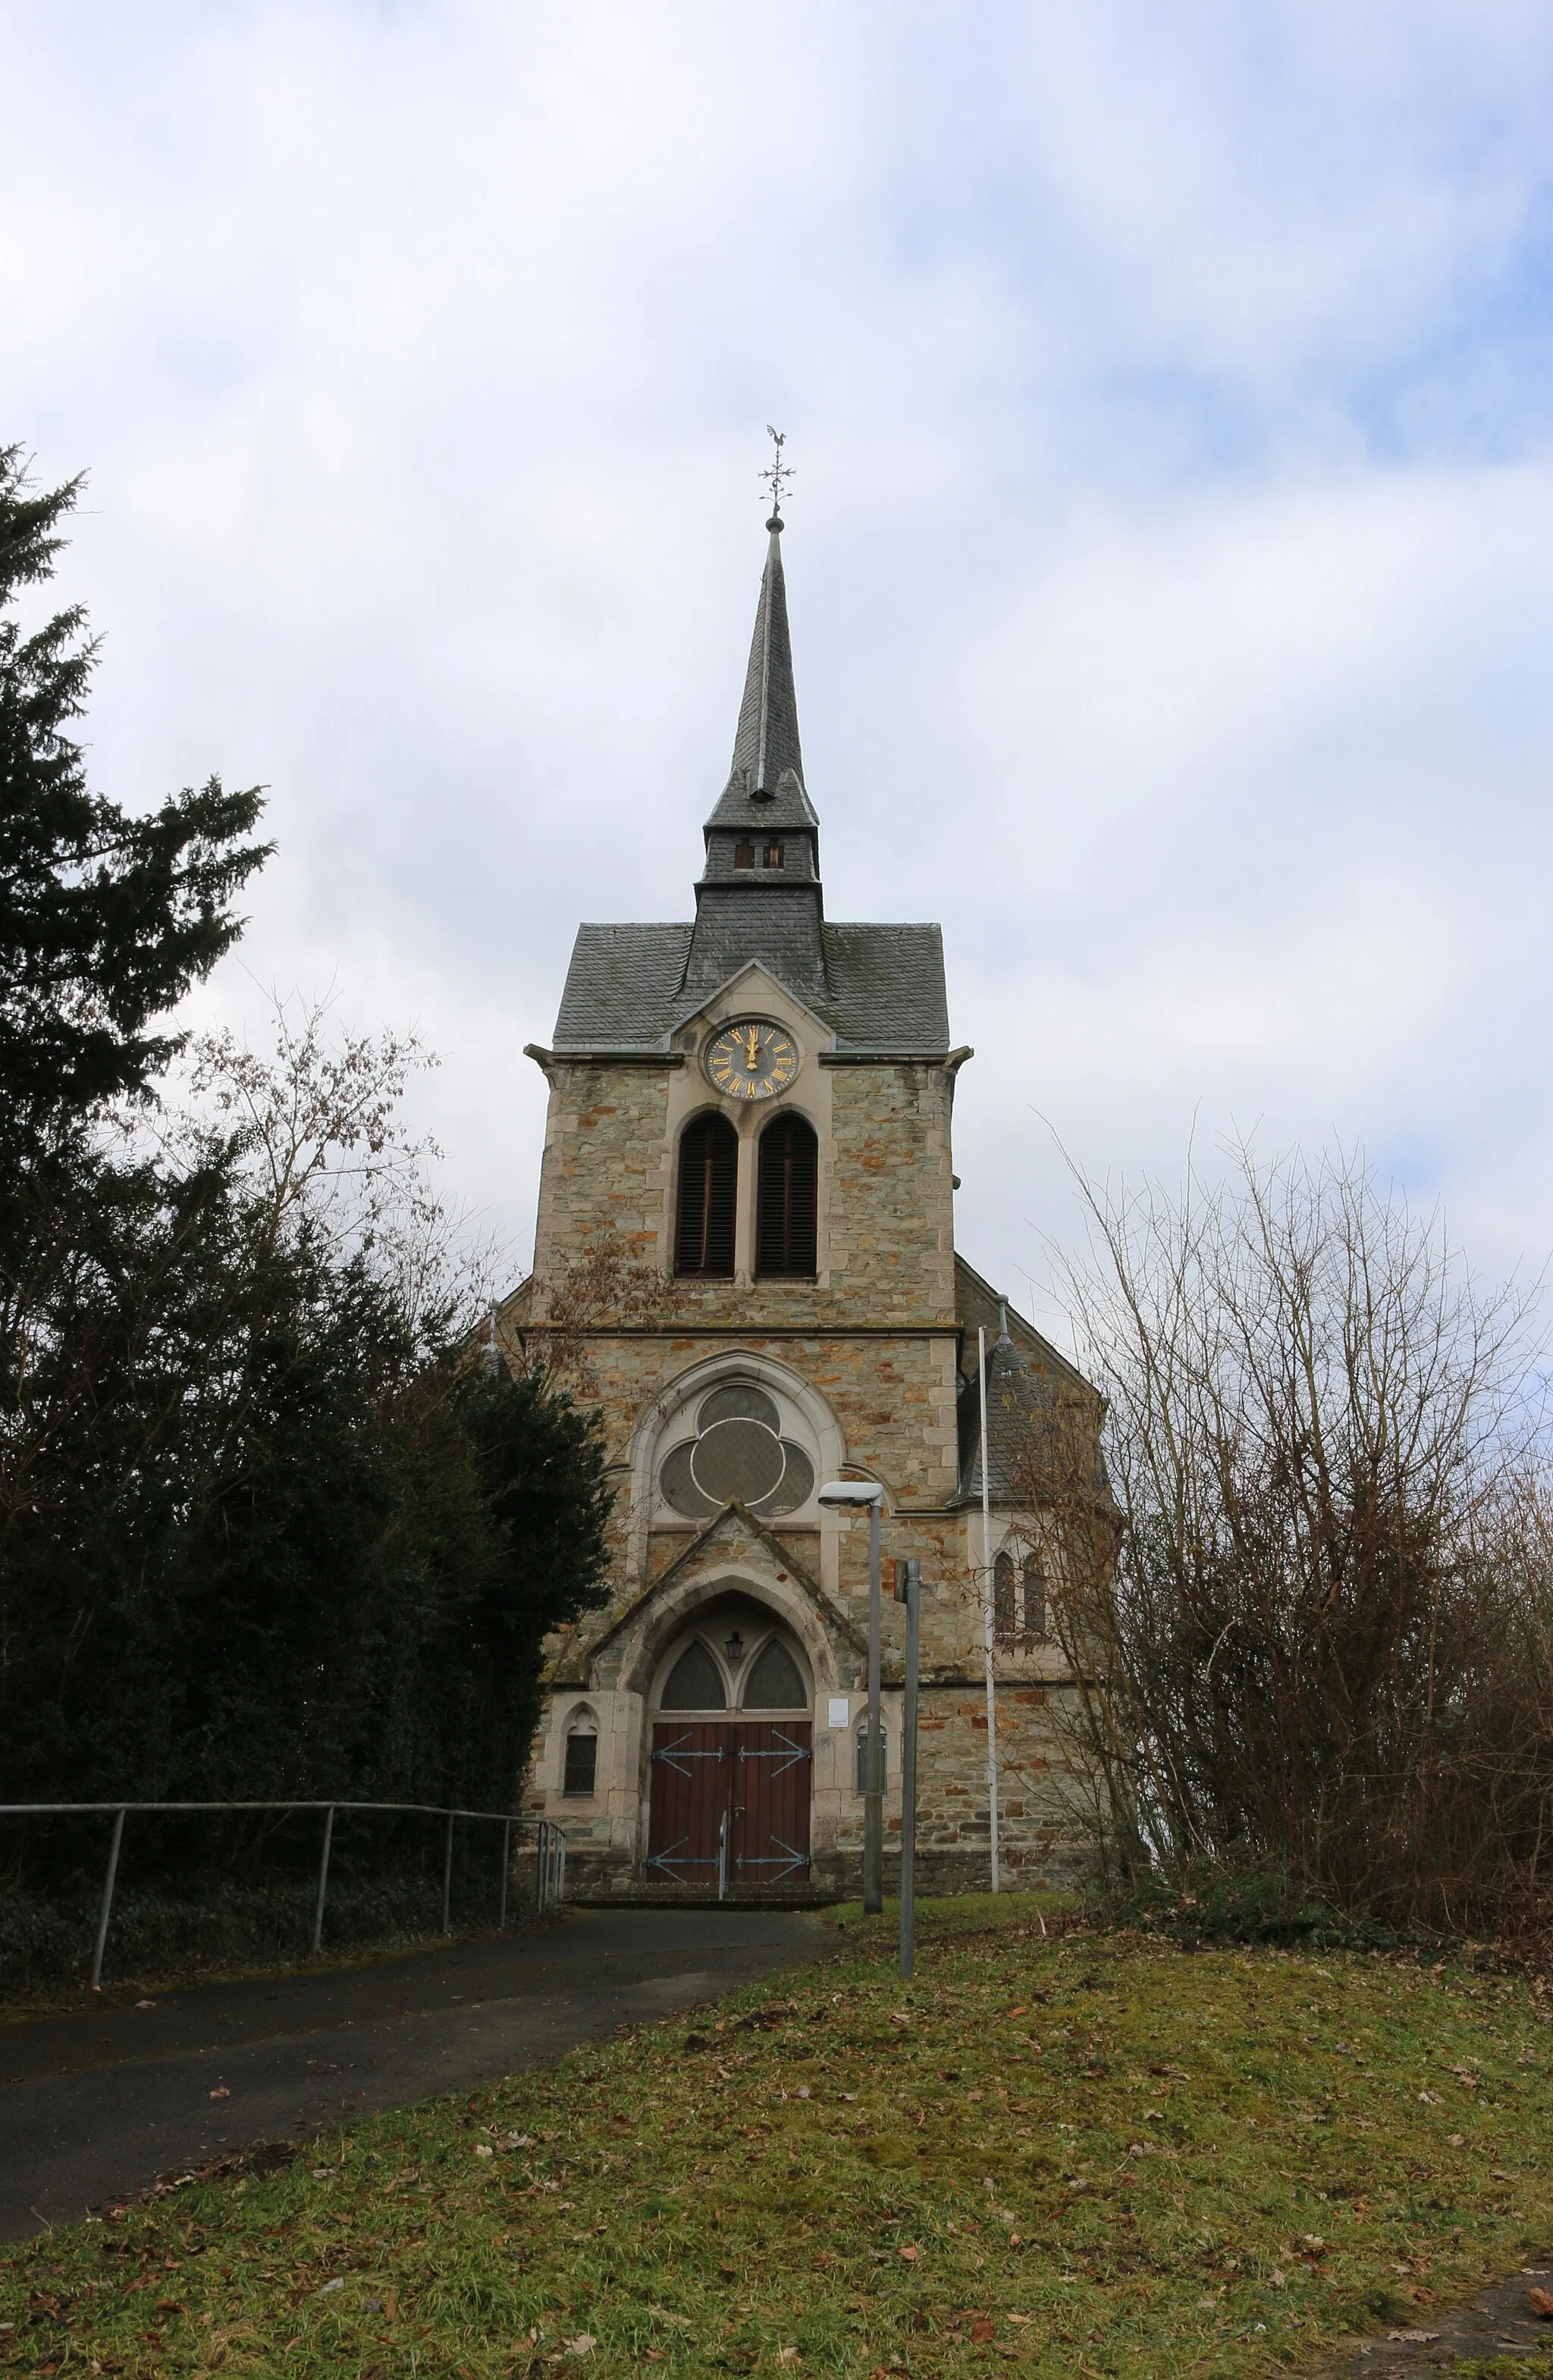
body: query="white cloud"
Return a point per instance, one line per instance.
(1169, 552)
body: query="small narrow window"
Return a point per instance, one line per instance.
(773, 854)
(1035, 1596)
(708, 1176)
(787, 1199)
(1003, 1595)
(863, 1756)
(582, 1762)
(743, 854)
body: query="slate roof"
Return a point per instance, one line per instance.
(880, 987)
(622, 987)
(1028, 1384)
(765, 784)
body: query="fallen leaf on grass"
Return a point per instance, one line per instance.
(788, 2355)
(909, 2255)
(1542, 2304)
(483, 2148)
(583, 2344)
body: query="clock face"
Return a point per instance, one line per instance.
(752, 1060)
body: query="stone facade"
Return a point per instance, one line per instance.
(868, 1365)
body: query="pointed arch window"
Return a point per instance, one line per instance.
(708, 1175)
(1035, 1596)
(1004, 1621)
(787, 1199)
(695, 1682)
(773, 1683)
(580, 1774)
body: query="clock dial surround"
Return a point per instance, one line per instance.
(752, 1059)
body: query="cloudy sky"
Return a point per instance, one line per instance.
(1171, 555)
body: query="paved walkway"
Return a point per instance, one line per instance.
(97, 2105)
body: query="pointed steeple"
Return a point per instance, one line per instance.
(765, 784)
(759, 895)
(767, 742)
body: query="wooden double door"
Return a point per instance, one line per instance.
(729, 1801)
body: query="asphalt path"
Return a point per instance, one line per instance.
(98, 2105)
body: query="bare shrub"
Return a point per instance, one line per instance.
(605, 1288)
(1311, 1615)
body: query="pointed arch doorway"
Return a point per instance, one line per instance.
(730, 1775)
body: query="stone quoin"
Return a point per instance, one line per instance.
(745, 1261)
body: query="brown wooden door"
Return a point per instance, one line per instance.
(750, 1777)
(768, 1842)
(691, 1791)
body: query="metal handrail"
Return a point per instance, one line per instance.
(549, 1844)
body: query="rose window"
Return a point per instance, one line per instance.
(738, 1455)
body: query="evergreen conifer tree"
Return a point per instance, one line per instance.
(105, 919)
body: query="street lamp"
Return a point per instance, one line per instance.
(857, 1495)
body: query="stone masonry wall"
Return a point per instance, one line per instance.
(874, 1336)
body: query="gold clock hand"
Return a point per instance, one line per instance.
(752, 1054)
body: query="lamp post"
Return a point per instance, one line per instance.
(857, 1495)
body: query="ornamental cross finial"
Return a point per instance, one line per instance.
(777, 475)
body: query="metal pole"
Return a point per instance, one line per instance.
(987, 1631)
(106, 1911)
(506, 1862)
(322, 1881)
(873, 1804)
(447, 1879)
(910, 1592)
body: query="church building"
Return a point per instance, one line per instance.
(745, 1261)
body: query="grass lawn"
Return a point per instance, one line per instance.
(1094, 2156)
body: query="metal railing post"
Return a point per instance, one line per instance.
(560, 1865)
(323, 1880)
(909, 1589)
(107, 1908)
(549, 1863)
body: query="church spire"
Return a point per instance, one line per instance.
(760, 894)
(766, 748)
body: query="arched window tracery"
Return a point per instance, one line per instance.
(737, 1444)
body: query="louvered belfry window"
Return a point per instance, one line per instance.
(709, 1177)
(787, 1199)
